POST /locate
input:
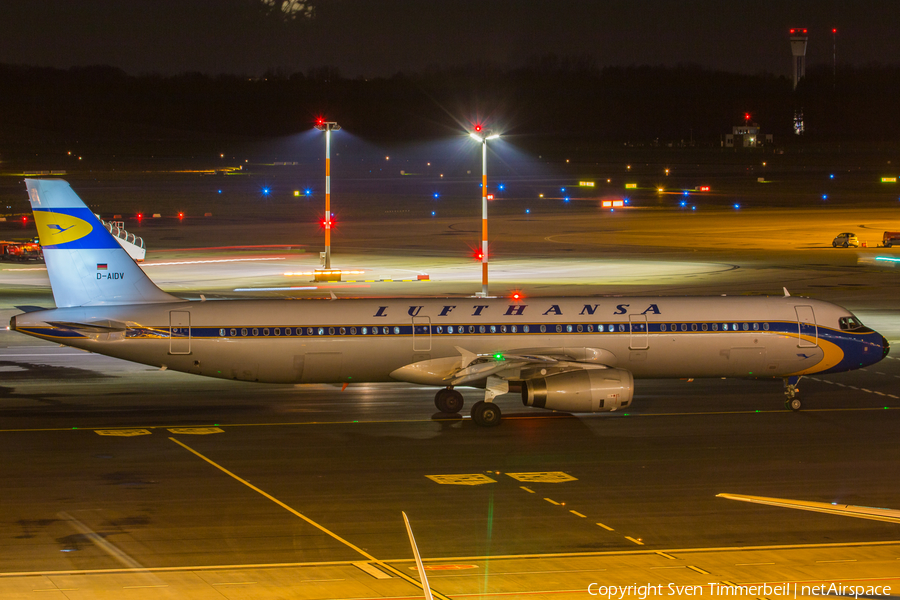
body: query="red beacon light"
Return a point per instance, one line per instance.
(180, 215)
(478, 129)
(490, 196)
(140, 216)
(516, 296)
(24, 219)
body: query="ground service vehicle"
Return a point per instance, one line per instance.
(845, 240)
(890, 238)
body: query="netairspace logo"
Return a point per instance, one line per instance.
(642, 592)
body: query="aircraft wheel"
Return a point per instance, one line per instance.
(793, 403)
(486, 414)
(449, 401)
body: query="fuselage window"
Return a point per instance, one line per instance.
(579, 329)
(756, 327)
(471, 329)
(559, 329)
(590, 328)
(493, 329)
(704, 326)
(525, 328)
(396, 330)
(222, 332)
(513, 328)
(734, 327)
(331, 331)
(600, 328)
(321, 331)
(255, 331)
(715, 326)
(684, 326)
(233, 332)
(277, 331)
(440, 329)
(481, 329)
(543, 329)
(365, 330)
(693, 327)
(243, 331)
(621, 328)
(568, 329)
(503, 329)
(343, 330)
(353, 331)
(266, 331)
(746, 327)
(449, 329)
(766, 326)
(662, 327)
(385, 330)
(309, 331)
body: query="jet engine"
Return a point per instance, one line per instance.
(587, 390)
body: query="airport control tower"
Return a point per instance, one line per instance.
(798, 49)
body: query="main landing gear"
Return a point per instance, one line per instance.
(449, 401)
(484, 413)
(792, 393)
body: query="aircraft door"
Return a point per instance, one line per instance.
(807, 330)
(640, 336)
(421, 328)
(179, 332)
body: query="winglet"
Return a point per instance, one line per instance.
(467, 357)
(421, 568)
(786, 293)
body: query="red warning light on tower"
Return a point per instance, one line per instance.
(478, 128)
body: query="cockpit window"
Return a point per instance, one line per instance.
(851, 324)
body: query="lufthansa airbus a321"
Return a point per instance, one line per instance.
(568, 354)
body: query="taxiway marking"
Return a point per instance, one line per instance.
(296, 513)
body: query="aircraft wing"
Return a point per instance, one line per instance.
(516, 364)
(889, 515)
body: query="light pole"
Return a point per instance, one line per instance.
(327, 127)
(480, 135)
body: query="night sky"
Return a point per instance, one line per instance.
(380, 37)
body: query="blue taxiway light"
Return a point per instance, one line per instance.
(693, 208)
(824, 196)
(683, 203)
(308, 192)
(265, 191)
(737, 205)
(435, 194)
(527, 211)
(501, 187)
(220, 191)
(432, 213)
(563, 190)
(566, 198)
(831, 176)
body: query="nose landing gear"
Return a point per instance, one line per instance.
(792, 393)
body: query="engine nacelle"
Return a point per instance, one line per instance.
(589, 390)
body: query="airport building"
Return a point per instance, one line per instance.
(747, 136)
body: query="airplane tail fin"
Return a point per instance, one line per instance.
(86, 265)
